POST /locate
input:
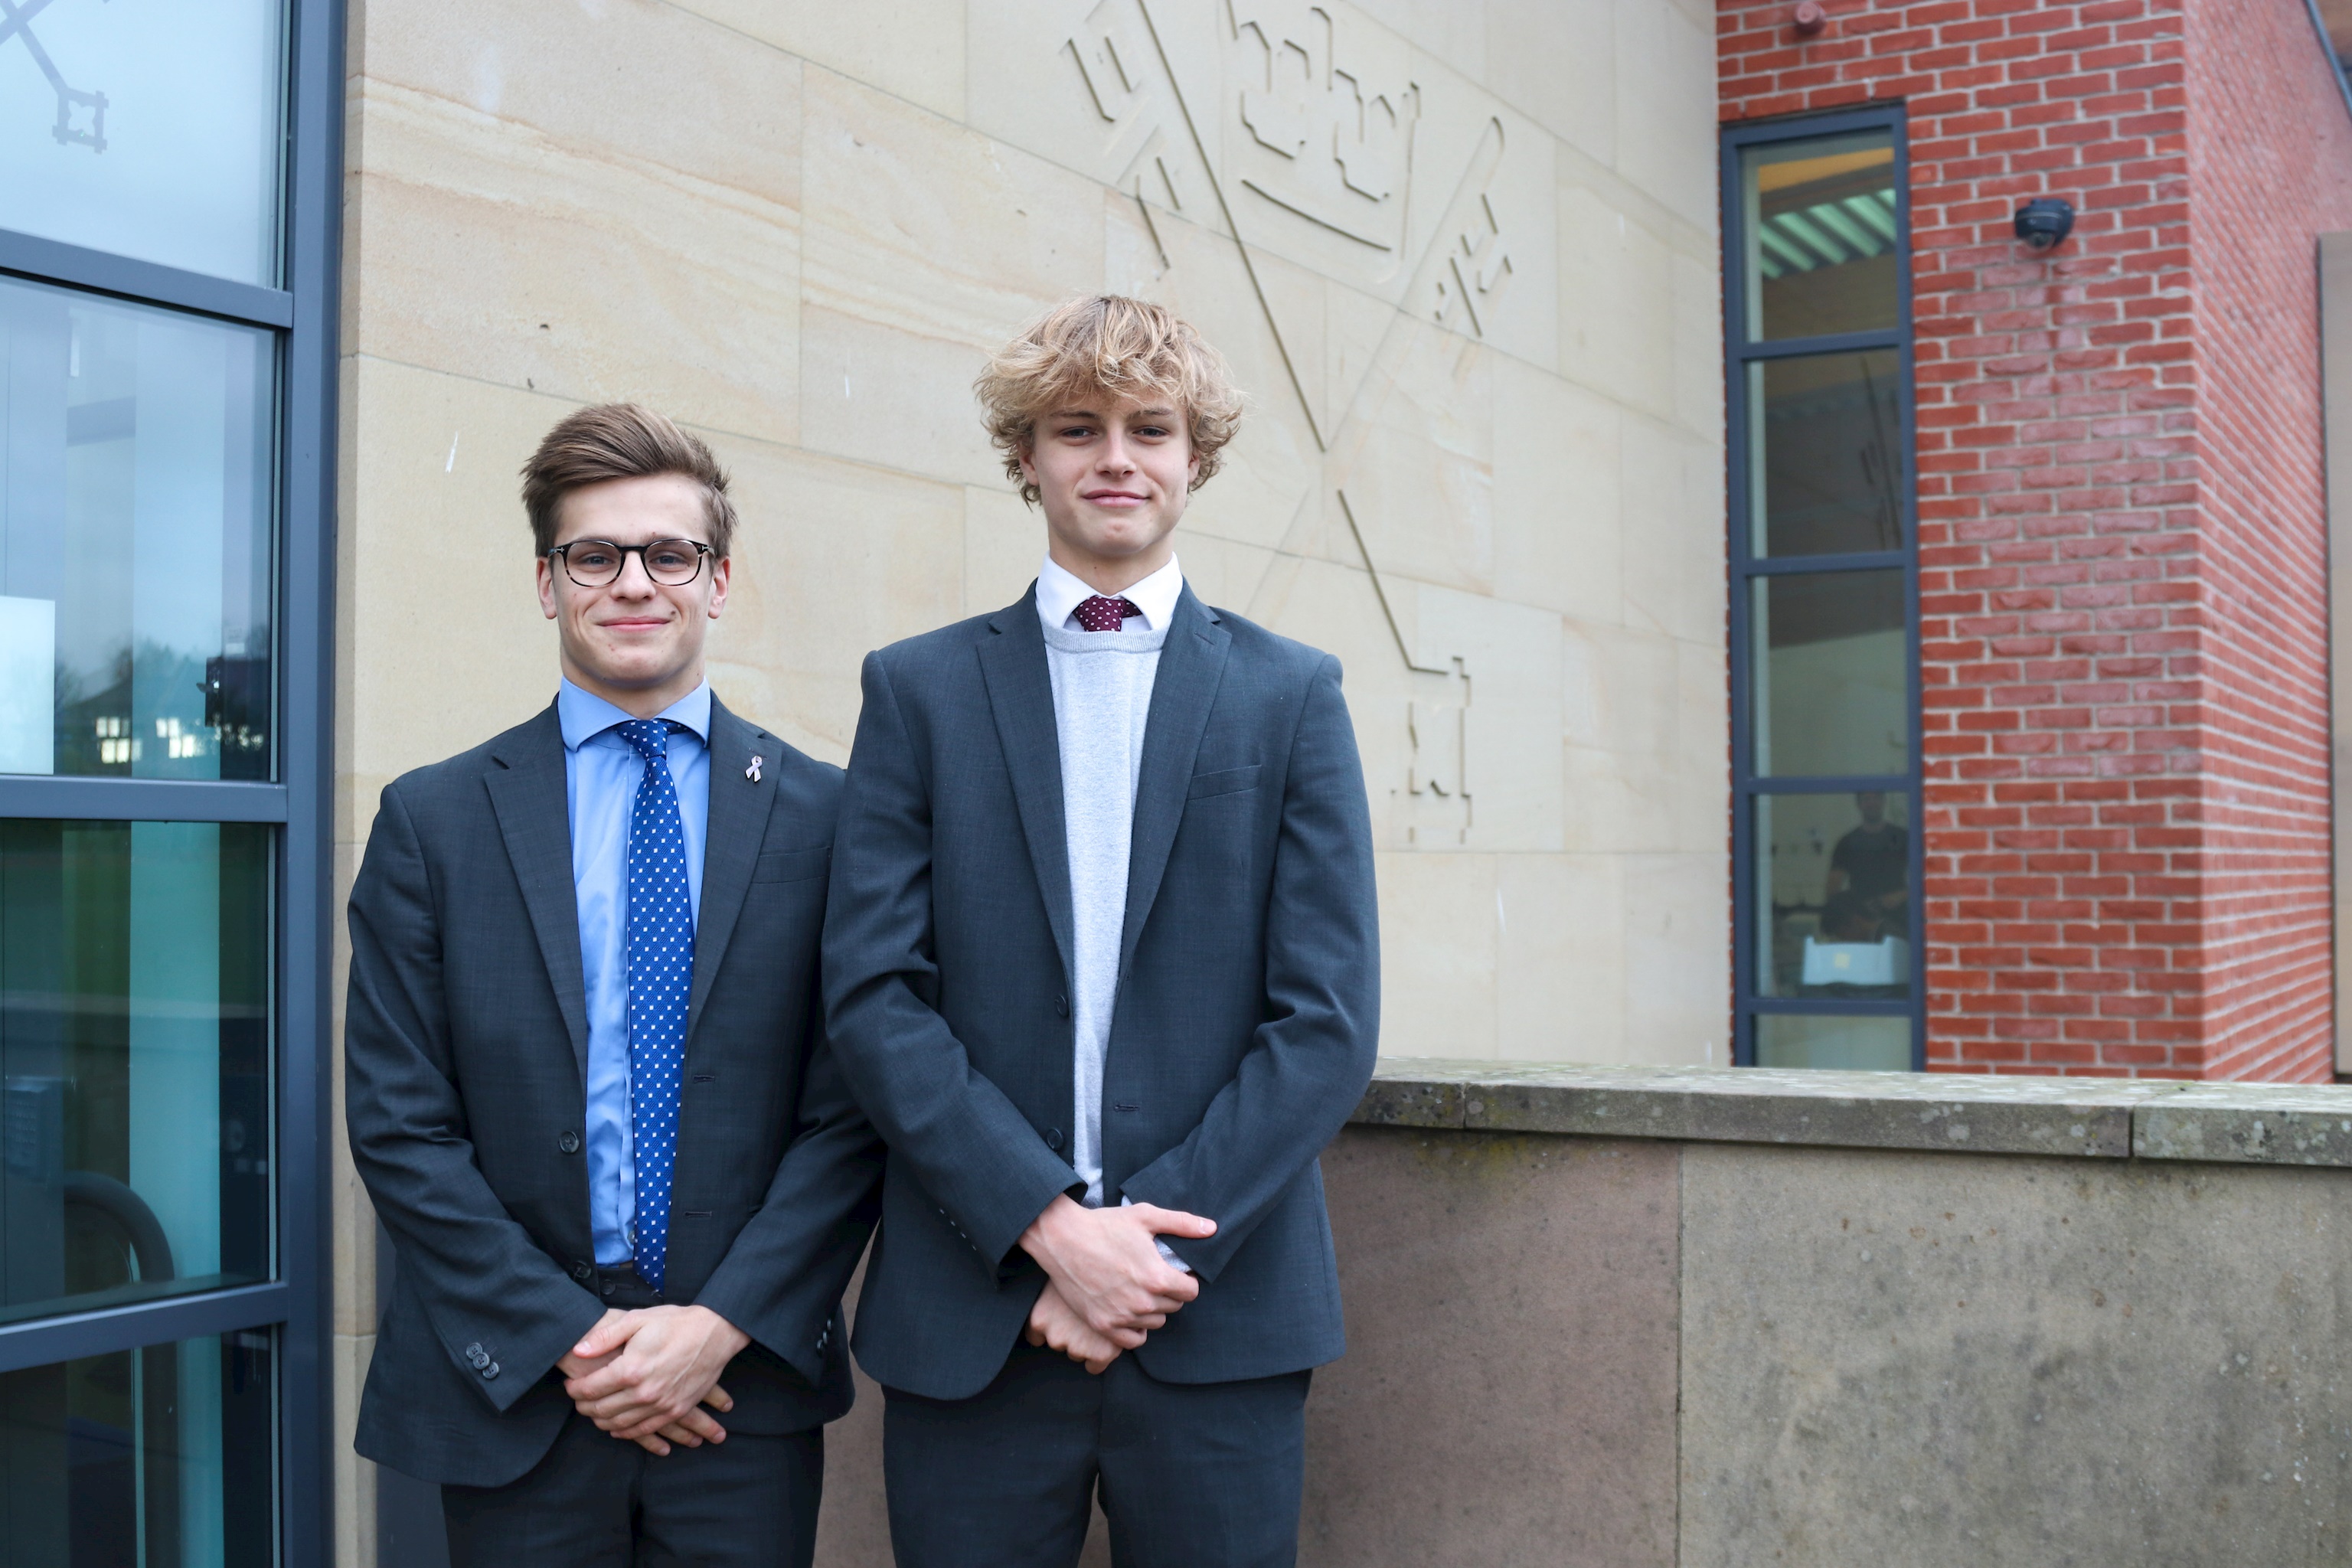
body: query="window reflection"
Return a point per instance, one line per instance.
(1833, 891)
(148, 128)
(162, 1457)
(1822, 235)
(1826, 461)
(1830, 661)
(134, 1061)
(135, 540)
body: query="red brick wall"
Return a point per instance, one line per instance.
(2121, 520)
(2270, 166)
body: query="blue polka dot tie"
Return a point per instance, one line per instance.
(661, 977)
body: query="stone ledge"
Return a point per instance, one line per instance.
(2289, 1124)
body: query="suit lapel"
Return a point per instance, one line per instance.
(737, 823)
(1192, 663)
(534, 812)
(1021, 696)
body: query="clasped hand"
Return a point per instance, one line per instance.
(647, 1375)
(1107, 1285)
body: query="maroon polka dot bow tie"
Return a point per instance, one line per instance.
(1101, 614)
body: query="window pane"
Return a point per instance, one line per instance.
(135, 539)
(146, 127)
(163, 1456)
(1831, 697)
(135, 1097)
(1826, 458)
(1822, 239)
(1788, 1040)
(1833, 895)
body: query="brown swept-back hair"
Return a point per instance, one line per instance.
(1109, 344)
(620, 441)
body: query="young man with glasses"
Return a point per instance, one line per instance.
(1102, 962)
(588, 1088)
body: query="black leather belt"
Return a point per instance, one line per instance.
(624, 1288)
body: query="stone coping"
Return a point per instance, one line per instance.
(2113, 1119)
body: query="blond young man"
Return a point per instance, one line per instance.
(1101, 964)
(588, 1088)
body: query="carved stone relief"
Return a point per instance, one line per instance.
(1322, 130)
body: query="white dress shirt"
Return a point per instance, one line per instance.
(1102, 700)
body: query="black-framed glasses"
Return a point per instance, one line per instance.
(597, 562)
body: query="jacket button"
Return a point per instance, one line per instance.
(581, 1271)
(1061, 1006)
(1053, 1137)
(569, 1142)
(489, 1371)
(475, 1354)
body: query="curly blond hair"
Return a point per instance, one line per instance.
(1107, 342)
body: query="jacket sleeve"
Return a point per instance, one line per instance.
(1312, 1058)
(502, 1309)
(973, 1152)
(787, 1269)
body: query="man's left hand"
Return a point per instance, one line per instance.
(669, 1363)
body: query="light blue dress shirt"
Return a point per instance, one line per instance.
(599, 776)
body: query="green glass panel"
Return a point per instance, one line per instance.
(1831, 656)
(1823, 237)
(1865, 1044)
(135, 1129)
(1826, 461)
(162, 1457)
(1833, 895)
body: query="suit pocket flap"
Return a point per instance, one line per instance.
(1224, 781)
(792, 865)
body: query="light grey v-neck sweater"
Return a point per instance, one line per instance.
(1102, 698)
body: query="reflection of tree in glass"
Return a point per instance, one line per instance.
(1881, 467)
(16, 21)
(169, 711)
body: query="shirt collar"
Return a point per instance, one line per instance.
(1060, 592)
(584, 715)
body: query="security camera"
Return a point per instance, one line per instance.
(2043, 222)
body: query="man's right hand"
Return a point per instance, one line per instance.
(691, 1431)
(1107, 1267)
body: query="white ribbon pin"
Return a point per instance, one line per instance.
(752, 773)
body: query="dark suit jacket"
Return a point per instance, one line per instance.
(465, 1044)
(1248, 993)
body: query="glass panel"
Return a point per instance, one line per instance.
(163, 1456)
(1821, 236)
(145, 127)
(135, 548)
(134, 1061)
(1833, 895)
(1825, 454)
(1792, 1040)
(1831, 697)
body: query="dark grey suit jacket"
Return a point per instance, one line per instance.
(466, 1043)
(1248, 995)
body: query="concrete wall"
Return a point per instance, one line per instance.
(1621, 1352)
(797, 227)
